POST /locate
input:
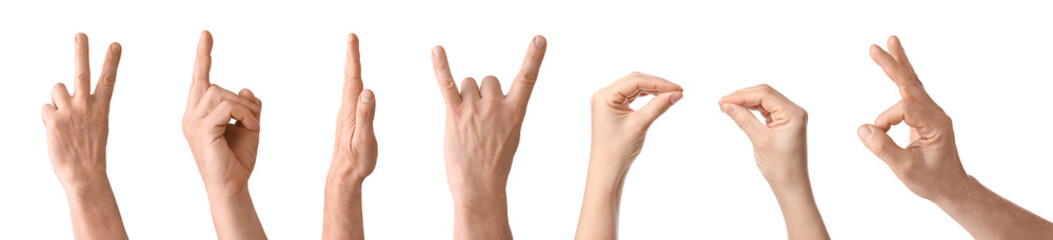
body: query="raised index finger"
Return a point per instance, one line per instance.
(444, 77)
(82, 84)
(352, 74)
(524, 83)
(202, 66)
(908, 83)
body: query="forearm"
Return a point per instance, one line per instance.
(481, 213)
(988, 216)
(93, 209)
(599, 209)
(343, 210)
(799, 210)
(234, 215)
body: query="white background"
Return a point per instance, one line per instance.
(988, 66)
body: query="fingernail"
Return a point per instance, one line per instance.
(676, 97)
(728, 109)
(367, 96)
(864, 133)
(116, 48)
(81, 38)
(539, 41)
(435, 52)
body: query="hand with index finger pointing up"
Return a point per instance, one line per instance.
(354, 156)
(225, 153)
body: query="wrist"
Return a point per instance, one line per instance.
(226, 194)
(790, 183)
(481, 214)
(958, 190)
(82, 186)
(343, 185)
(604, 166)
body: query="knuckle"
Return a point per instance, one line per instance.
(528, 78)
(447, 84)
(84, 76)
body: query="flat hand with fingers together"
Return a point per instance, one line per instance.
(482, 135)
(354, 155)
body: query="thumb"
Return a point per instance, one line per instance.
(881, 144)
(364, 115)
(744, 118)
(658, 105)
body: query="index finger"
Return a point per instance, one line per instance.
(763, 96)
(908, 83)
(444, 77)
(202, 66)
(82, 84)
(352, 74)
(524, 82)
(626, 89)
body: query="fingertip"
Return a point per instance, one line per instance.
(728, 108)
(437, 51)
(366, 96)
(81, 37)
(60, 88)
(540, 41)
(865, 132)
(206, 38)
(676, 97)
(115, 48)
(47, 109)
(874, 48)
(352, 37)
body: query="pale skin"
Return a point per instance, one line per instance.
(225, 153)
(482, 135)
(354, 154)
(77, 128)
(617, 137)
(780, 150)
(930, 166)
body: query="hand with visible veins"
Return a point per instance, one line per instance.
(482, 135)
(225, 153)
(930, 166)
(77, 128)
(780, 150)
(355, 153)
(617, 137)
